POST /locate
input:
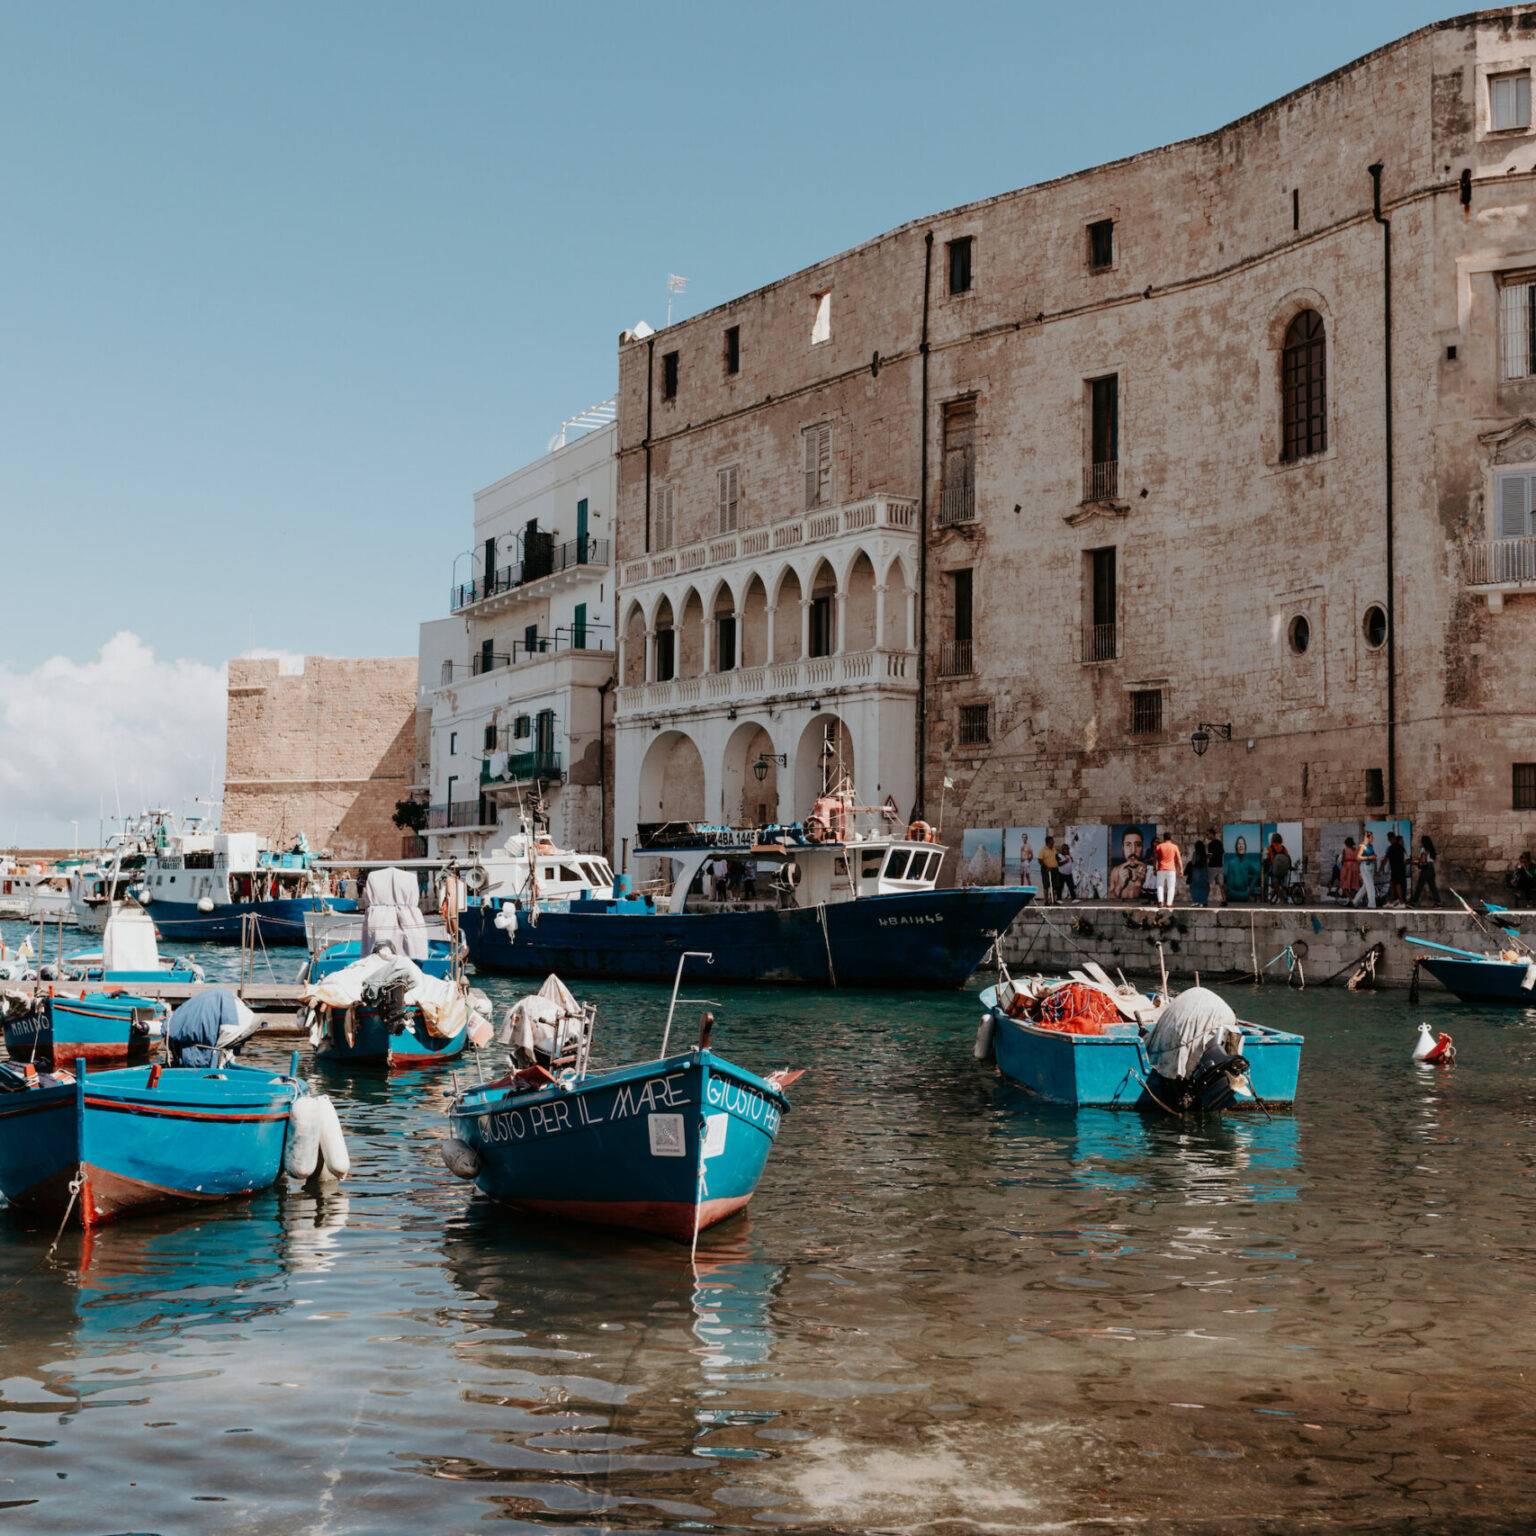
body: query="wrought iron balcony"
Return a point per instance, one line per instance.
(1502, 563)
(1101, 482)
(957, 502)
(1101, 642)
(521, 767)
(534, 567)
(569, 637)
(457, 813)
(955, 658)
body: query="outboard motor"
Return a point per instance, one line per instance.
(387, 998)
(1213, 1085)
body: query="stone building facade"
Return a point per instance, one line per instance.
(1236, 432)
(321, 746)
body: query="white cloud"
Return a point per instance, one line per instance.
(80, 736)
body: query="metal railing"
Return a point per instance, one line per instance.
(1101, 482)
(957, 503)
(560, 557)
(522, 767)
(955, 658)
(569, 637)
(457, 813)
(1101, 642)
(1502, 563)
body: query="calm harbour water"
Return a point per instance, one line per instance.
(949, 1309)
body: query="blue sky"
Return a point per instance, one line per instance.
(282, 285)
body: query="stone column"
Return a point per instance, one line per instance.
(770, 610)
(805, 628)
(879, 619)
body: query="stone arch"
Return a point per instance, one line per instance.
(664, 639)
(724, 629)
(897, 630)
(690, 635)
(786, 617)
(752, 623)
(634, 646)
(810, 772)
(824, 598)
(745, 801)
(672, 780)
(859, 614)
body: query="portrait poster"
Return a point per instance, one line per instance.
(1130, 859)
(1290, 835)
(1089, 847)
(981, 856)
(1021, 855)
(1240, 844)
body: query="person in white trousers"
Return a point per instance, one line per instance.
(1169, 864)
(1367, 891)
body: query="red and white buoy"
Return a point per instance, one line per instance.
(1433, 1050)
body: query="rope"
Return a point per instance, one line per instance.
(821, 912)
(74, 1192)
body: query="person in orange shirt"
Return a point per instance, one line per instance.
(1168, 863)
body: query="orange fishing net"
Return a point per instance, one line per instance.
(1078, 1010)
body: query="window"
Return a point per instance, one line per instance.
(1375, 791)
(1100, 595)
(729, 497)
(1517, 329)
(725, 642)
(958, 503)
(453, 743)
(669, 375)
(522, 727)
(1523, 797)
(487, 654)
(821, 625)
(1374, 626)
(960, 264)
(974, 725)
(544, 731)
(665, 655)
(1509, 100)
(817, 457)
(821, 326)
(663, 517)
(962, 604)
(1303, 388)
(531, 642)
(1102, 474)
(956, 654)
(896, 869)
(733, 349)
(1101, 245)
(1514, 498)
(1299, 634)
(1146, 711)
(489, 743)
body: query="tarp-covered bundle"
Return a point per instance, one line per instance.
(207, 1029)
(1191, 1022)
(543, 1025)
(392, 914)
(128, 941)
(445, 1006)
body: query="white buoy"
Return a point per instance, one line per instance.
(983, 1047)
(460, 1158)
(1424, 1044)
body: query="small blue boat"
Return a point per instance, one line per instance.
(98, 1147)
(378, 1015)
(103, 1029)
(345, 952)
(1507, 977)
(670, 1146)
(1112, 1068)
(375, 1037)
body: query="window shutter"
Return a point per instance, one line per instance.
(1514, 506)
(1515, 329)
(808, 440)
(729, 498)
(1522, 101)
(663, 523)
(818, 465)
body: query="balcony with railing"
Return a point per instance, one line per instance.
(571, 637)
(1502, 565)
(1100, 642)
(575, 557)
(957, 499)
(955, 658)
(508, 767)
(1101, 482)
(895, 671)
(458, 815)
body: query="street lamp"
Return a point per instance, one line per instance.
(760, 767)
(1200, 738)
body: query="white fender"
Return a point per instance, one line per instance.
(1425, 1044)
(205, 903)
(301, 1152)
(983, 1047)
(335, 1161)
(460, 1158)
(506, 920)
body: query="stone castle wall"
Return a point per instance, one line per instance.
(327, 751)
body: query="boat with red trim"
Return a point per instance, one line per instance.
(103, 1029)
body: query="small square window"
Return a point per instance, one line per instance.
(974, 725)
(453, 743)
(821, 325)
(490, 737)
(669, 376)
(733, 349)
(1524, 797)
(960, 264)
(1101, 245)
(1509, 100)
(1375, 789)
(1146, 711)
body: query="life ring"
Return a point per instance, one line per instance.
(476, 878)
(920, 832)
(790, 876)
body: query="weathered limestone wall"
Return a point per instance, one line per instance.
(1218, 941)
(326, 751)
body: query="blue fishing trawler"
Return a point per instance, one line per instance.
(1189, 1055)
(94, 1148)
(670, 1146)
(814, 904)
(102, 1029)
(1504, 975)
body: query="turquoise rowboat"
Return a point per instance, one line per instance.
(1111, 1070)
(104, 1029)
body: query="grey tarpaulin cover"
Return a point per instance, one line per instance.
(1185, 1027)
(392, 911)
(206, 1028)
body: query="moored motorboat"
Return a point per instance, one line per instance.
(103, 1029)
(129, 954)
(1503, 973)
(670, 1146)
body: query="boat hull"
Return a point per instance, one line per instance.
(194, 1137)
(278, 922)
(101, 1030)
(1111, 1070)
(928, 939)
(668, 1147)
(373, 1043)
(1482, 981)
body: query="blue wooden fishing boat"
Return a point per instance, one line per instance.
(129, 954)
(1505, 976)
(103, 1029)
(670, 1146)
(387, 1011)
(1113, 1067)
(344, 952)
(98, 1147)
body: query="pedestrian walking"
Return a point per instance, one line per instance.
(1169, 864)
(1066, 881)
(1397, 871)
(1365, 862)
(1050, 861)
(1426, 875)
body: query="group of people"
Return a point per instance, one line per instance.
(1359, 867)
(731, 879)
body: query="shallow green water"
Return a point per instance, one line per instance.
(948, 1309)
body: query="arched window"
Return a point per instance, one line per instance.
(1304, 387)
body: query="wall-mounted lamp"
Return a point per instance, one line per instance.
(730, 714)
(760, 767)
(1200, 738)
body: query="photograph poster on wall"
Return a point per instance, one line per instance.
(1021, 855)
(981, 856)
(1090, 860)
(1130, 859)
(1240, 843)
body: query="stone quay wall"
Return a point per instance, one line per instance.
(326, 749)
